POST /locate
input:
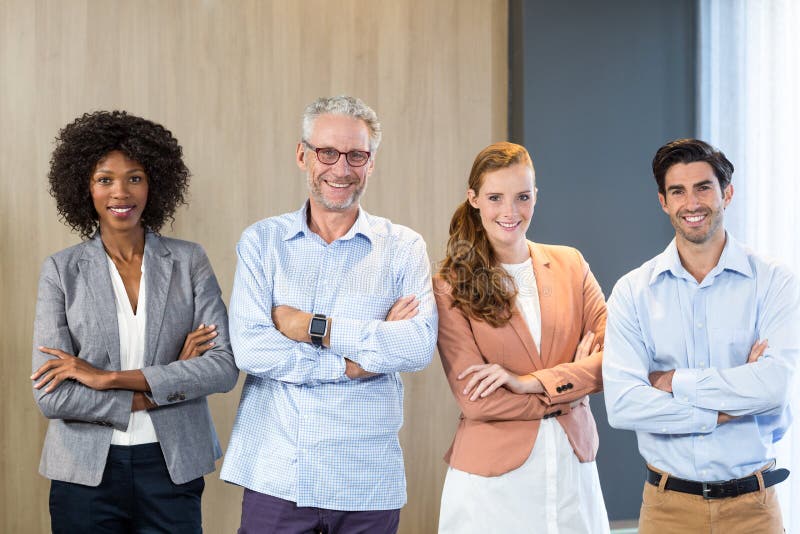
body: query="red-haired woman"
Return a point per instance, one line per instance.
(520, 330)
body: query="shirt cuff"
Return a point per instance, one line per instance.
(331, 366)
(346, 338)
(705, 420)
(553, 385)
(684, 386)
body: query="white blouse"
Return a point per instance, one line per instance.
(527, 297)
(131, 353)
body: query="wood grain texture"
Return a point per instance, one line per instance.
(230, 79)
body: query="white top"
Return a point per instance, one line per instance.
(527, 297)
(131, 355)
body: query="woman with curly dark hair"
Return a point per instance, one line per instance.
(130, 337)
(520, 331)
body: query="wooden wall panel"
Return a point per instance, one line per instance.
(230, 79)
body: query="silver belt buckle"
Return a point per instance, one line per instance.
(706, 490)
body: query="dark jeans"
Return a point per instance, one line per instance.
(265, 514)
(135, 495)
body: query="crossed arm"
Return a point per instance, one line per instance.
(492, 393)
(67, 386)
(486, 379)
(639, 399)
(64, 366)
(274, 343)
(294, 323)
(663, 379)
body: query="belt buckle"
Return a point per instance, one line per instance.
(707, 490)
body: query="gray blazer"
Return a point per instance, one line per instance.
(76, 313)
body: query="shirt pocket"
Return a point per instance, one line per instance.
(729, 347)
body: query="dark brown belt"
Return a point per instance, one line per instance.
(719, 490)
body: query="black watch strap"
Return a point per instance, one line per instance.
(316, 333)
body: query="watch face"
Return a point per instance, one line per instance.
(318, 326)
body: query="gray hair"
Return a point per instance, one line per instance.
(343, 105)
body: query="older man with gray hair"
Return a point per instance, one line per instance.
(329, 304)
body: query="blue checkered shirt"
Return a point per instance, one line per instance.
(305, 432)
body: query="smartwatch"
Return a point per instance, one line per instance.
(318, 329)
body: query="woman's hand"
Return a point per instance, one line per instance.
(66, 366)
(198, 341)
(486, 378)
(404, 308)
(141, 402)
(577, 402)
(583, 347)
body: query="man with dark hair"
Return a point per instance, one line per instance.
(329, 305)
(691, 151)
(700, 352)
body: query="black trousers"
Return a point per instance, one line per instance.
(135, 495)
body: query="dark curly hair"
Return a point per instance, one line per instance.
(81, 144)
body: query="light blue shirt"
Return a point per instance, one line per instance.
(661, 318)
(304, 432)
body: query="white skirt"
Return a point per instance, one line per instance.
(551, 493)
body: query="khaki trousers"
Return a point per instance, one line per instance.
(672, 512)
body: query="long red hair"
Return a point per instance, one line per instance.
(481, 288)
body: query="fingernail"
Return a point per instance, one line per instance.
(202, 325)
(212, 326)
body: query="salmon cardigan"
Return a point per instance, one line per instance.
(496, 434)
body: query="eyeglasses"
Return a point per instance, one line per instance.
(329, 155)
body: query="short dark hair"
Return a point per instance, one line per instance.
(690, 151)
(81, 144)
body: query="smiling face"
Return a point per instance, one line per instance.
(694, 202)
(336, 187)
(505, 201)
(118, 186)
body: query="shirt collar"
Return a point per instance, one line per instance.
(299, 225)
(733, 258)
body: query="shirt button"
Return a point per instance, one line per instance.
(699, 325)
(703, 427)
(702, 365)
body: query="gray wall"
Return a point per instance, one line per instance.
(596, 88)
